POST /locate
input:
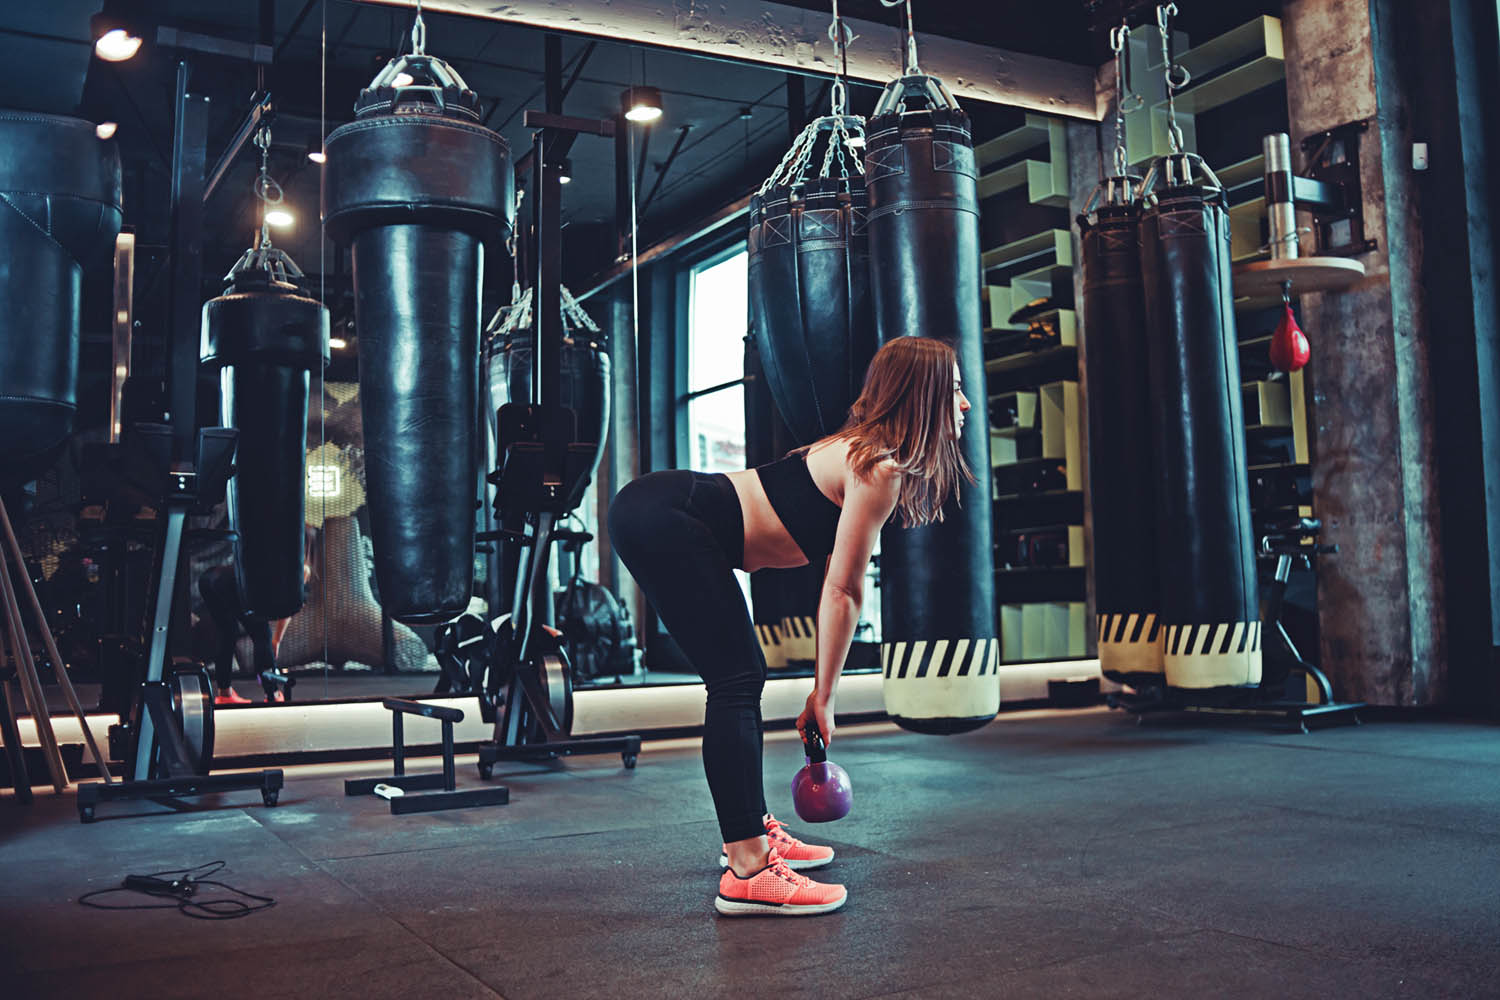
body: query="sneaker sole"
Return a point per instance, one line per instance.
(750, 908)
(805, 865)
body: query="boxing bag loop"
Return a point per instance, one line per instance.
(940, 654)
(266, 338)
(1209, 609)
(809, 280)
(1122, 462)
(60, 208)
(417, 187)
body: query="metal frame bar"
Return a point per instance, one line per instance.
(757, 31)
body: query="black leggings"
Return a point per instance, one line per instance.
(681, 534)
(221, 598)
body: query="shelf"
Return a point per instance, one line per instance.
(1045, 183)
(1014, 432)
(1037, 245)
(1033, 368)
(1257, 47)
(1040, 584)
(1243, 172)
(1039, 510)
(1035, 132)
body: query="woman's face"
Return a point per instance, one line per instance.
(960, 402)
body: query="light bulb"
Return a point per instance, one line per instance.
(279, 217)
(643, 113)
(105, 130)
(318, 156)
(117, 45)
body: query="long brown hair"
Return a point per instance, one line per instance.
(905, 414)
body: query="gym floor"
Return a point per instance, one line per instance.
(1051, 854)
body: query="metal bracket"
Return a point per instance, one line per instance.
(1332, 159)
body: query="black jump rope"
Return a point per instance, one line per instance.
(181, 887)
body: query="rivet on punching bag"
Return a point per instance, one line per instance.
(418, 187)
(266, 338)
(940, 650)
(1289, 348)
(1209, 606)
(60, 209)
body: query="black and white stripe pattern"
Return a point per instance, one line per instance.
(1213, 638)
(940, 658)
(1129, 628)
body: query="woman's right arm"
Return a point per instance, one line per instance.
(867, 506)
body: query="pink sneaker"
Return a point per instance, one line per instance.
(797, 855)
(776, 891)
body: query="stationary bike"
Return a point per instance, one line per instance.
(527, 689)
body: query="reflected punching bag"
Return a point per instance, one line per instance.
(585, 376)
(940, 650)
(1209, 608)
(60, 209)
(266, 337)
(809, 282)
(417, 187)
(1122, 465)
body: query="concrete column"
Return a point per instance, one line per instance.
(621, 462)
(1380, 599)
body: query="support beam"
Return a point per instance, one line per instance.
(757, 31)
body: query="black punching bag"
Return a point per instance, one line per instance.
(60, 209)
(783, 602)
(1122, 464)
(1209, 609)
(809, 298)
(266, 338)
(417, 187)
(940, 648)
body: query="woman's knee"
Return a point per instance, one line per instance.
(741, 689)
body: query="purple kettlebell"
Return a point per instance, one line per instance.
(821, 790)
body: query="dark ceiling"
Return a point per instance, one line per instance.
(735, 115)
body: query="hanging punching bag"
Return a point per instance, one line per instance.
(809, 283)
(584, 368)
(783, 602)
(417, 187)
(940, 649)
(60, 209)
(1209, 608)
(266, 338)
(1122, 464)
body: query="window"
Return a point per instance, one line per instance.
(718, 318)
(717, 321)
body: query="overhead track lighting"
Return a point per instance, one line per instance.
(113, 42)
(641, 104)
(106, 130)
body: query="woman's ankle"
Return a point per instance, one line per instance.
(746, 857)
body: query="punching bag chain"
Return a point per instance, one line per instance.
(419, 33)
(1125, 102)
(266, 188)
(912, 69)
(1177, 76)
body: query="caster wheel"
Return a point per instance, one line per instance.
(629, 759)
(86, 814)
(270, 798)
(486, 771)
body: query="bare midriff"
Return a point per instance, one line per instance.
(768, 545)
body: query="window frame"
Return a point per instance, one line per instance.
(710, 255)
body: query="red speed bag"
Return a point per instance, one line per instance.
(1289, 347)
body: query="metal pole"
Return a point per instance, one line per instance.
(189, 144)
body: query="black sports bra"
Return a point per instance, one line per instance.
(810, 517)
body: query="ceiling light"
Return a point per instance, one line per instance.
(105, 130)
(337, 343)
(641, 104)
(116, 45)
(279, 217)
(403, 80)
(565, 172)
(317, 156)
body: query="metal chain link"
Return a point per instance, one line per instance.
(419, 33)
(912, 69)
(266, 189)
(1125, 102)
(1177, 77)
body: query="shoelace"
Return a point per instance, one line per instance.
(776, 831)
(783, 870)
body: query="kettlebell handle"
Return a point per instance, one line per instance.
(812, 744)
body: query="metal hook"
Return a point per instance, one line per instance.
(419, 33)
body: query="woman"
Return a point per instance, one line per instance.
(681, 533)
